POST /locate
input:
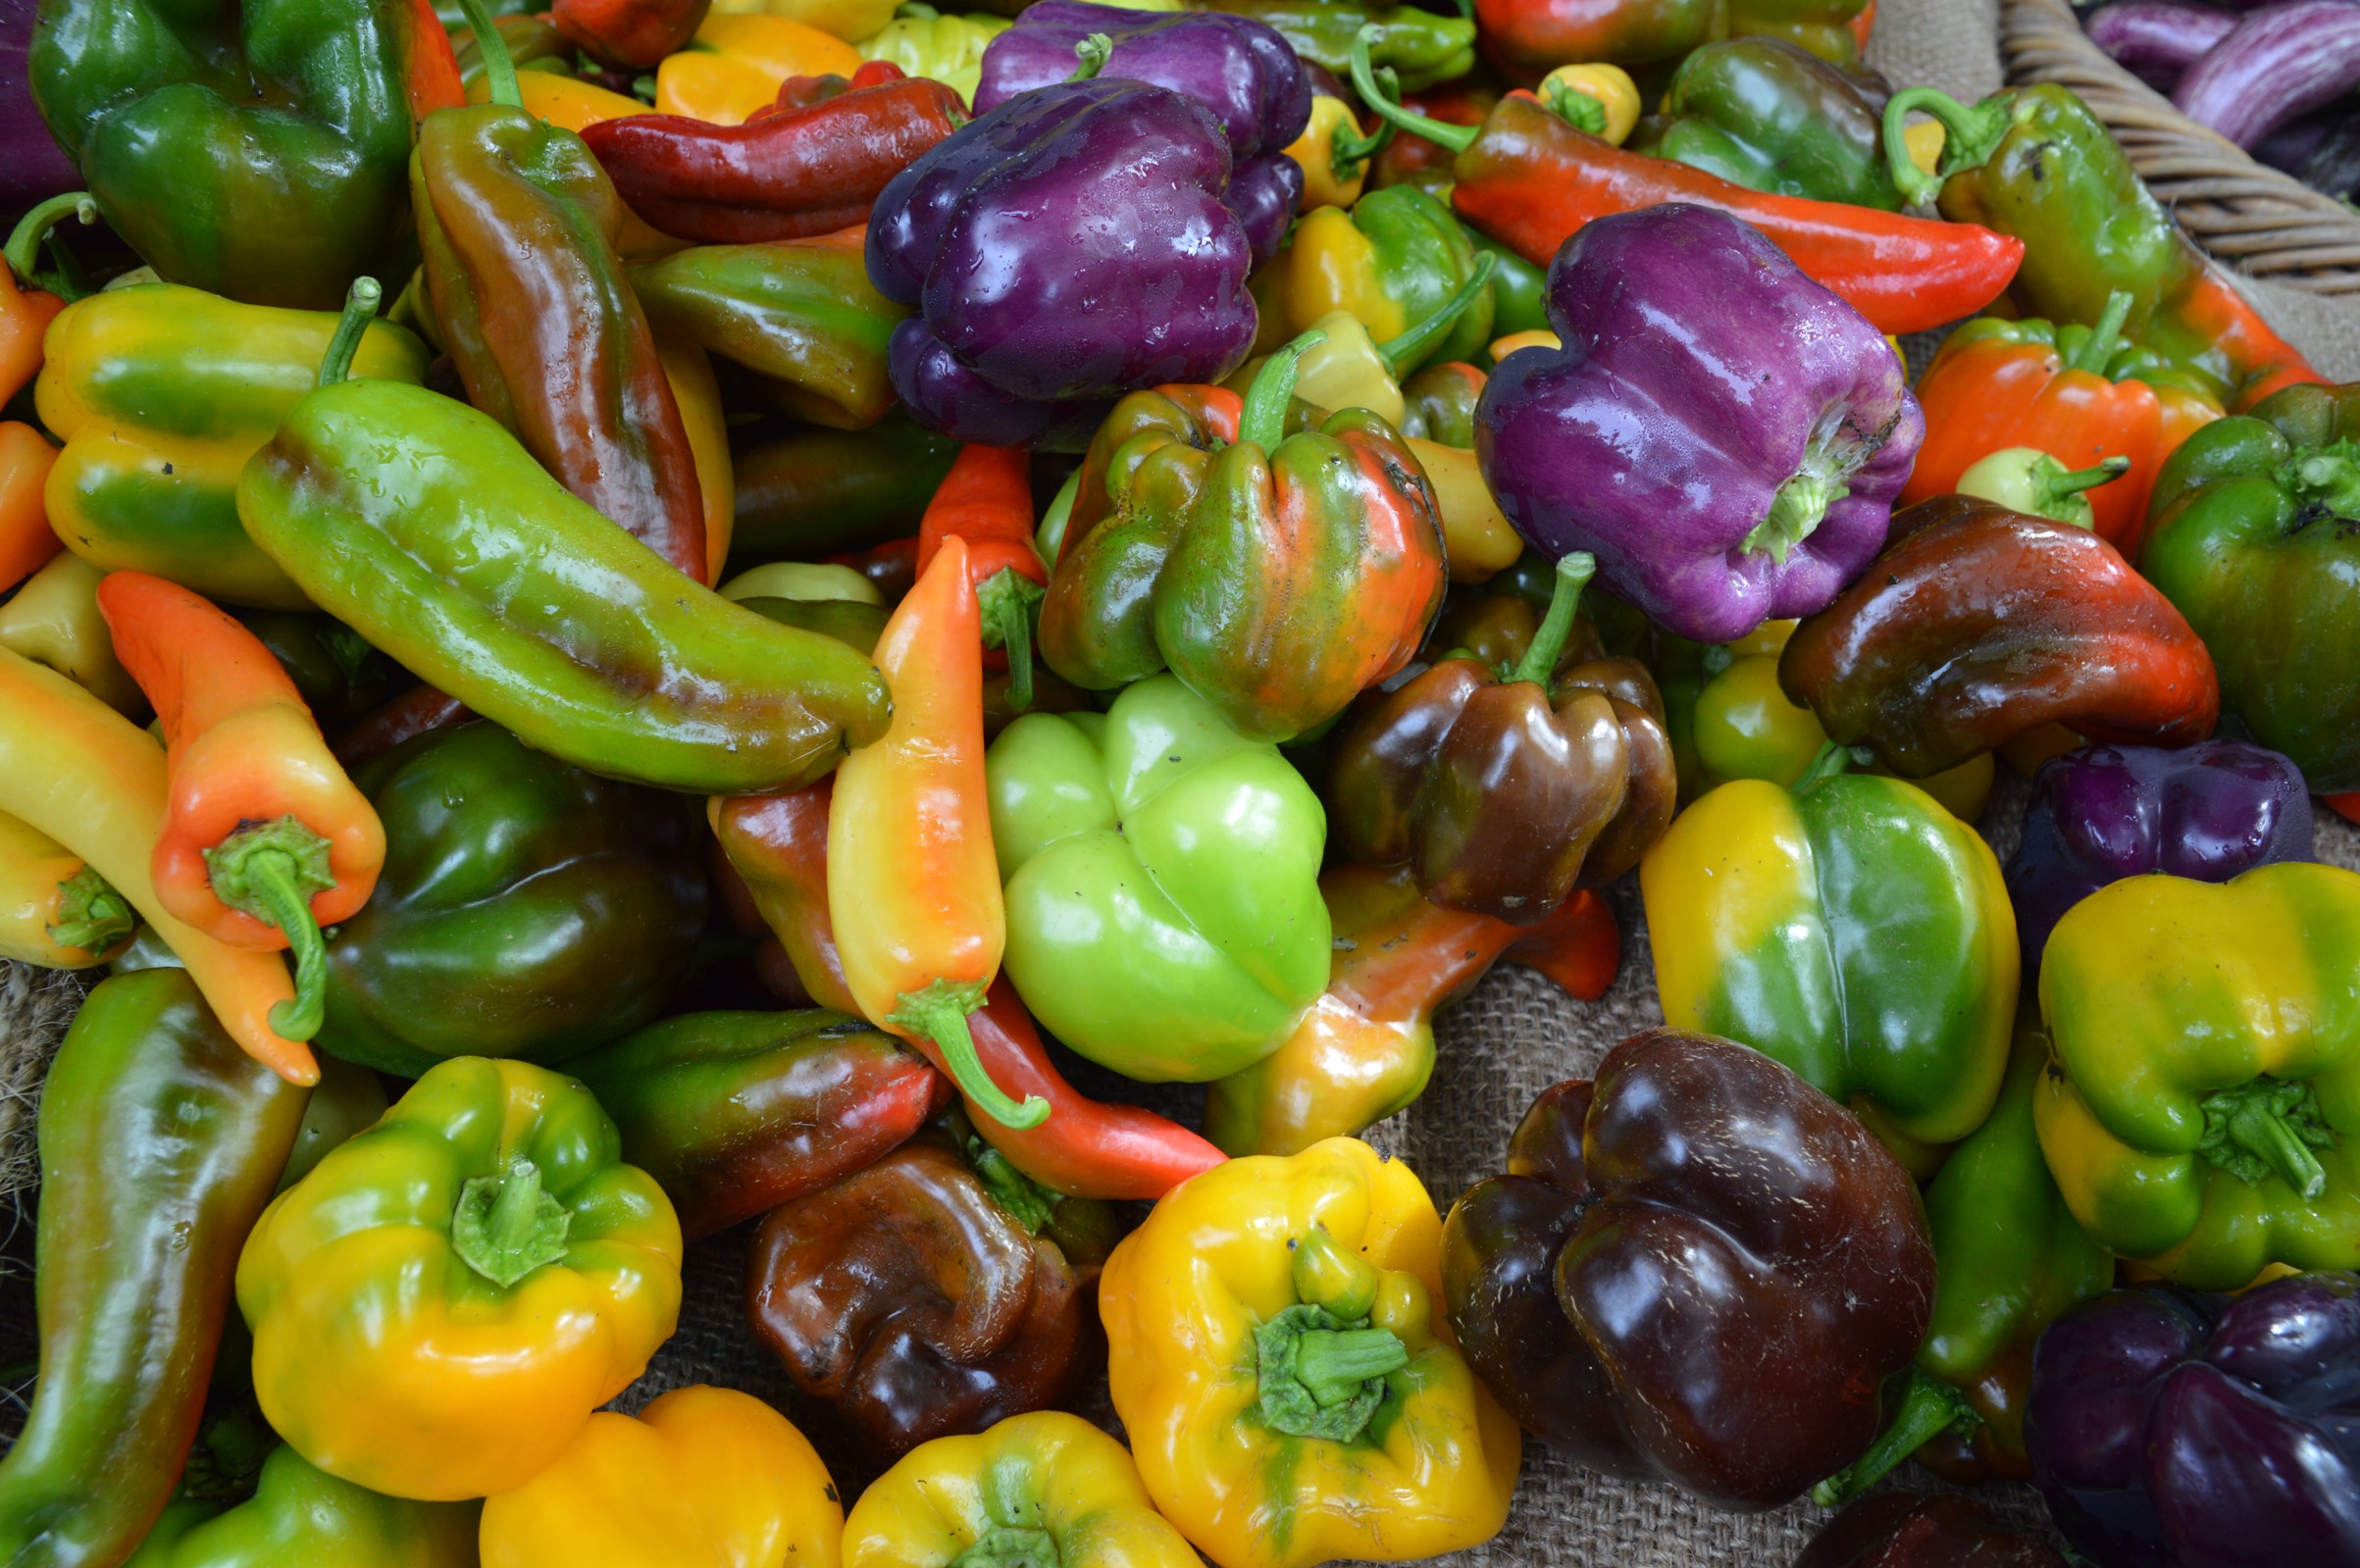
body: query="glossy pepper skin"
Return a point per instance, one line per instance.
(1979, 623)
(1771, 116)
(1851, 928)
(457, 529)
(1045, 1482)
(254, 151)
(1922, 1530)
(2035, 164)
(913, 1299)
(2208, 812)
(1391, 261)
(1027, 324)
(2252, 538)
(301, 1514)
(736, 1113)
(809, 170)
(1712, 512)
(439, 1306)
(815, 492)
(701, 1476)
(517, 224)
(2201, 1117)
(160, 1141)
(1162, 890)
(161, 393)
(1423, 48)
(1529, 38)
(1697, 1269)
(2076, 393)
(633, 33)
(1277, 1352)
(526, 909)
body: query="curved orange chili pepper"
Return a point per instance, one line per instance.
(267, 840)
(26, 313)
(27, 540)
(987, 499)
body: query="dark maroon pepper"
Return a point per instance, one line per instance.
(1915, 1529)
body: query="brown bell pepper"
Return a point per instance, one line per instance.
(1503, 793)
(1979, 624)
(788, 173)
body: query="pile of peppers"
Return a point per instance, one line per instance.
(873, 669)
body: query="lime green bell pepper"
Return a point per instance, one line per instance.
(2202, 1112)
(301, 1516)
(1162, 873)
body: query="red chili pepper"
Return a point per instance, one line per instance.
(2347, 807)
(1531, 180)
(790, 172)
(987, 499)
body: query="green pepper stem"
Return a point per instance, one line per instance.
(1093, 53)
(1010, 601)
(506, 1226)
(1262, 421)
(1573, 571)
(2268, 1126)
(271, 870)
(33, 228)
(940, 1014)
(1418, 341)
(2055, 488)
(1799, 507)
(1831, 762)
(2105, 336)
(1458, 138)
(1028, 1202)
(1929, 1409)
(1322, 1376)
(1333, 1363)
(1970, 138)
(500, 69)
(1012, 1546)
(91, 915)
(2328, 476)
(1347, 151)
(1576, 109)
(360, 308)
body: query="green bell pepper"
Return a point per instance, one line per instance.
(1518, 289)
(2205, 1106)
(1771, 116)
(301, 1516)
(2256, 538)
(1163, 875)
(1422, 48)
(526, 908)
(1854, 929)
(1394, 261)
(256, 149)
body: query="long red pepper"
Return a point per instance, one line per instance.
(987, 499)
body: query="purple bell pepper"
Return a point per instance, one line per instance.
(2104, 812)
(1062, 249)
(2169, 1430)
(1724, 435)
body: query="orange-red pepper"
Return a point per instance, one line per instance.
(987, 499)
(26, 313)
(27, 540)
(267, 840)
(915, 897)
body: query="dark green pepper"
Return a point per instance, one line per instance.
(1422, 47)
(1771, 116)
(526, 909)
(160, 1142)
(337, 674)
(816, 493)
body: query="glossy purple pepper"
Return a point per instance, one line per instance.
(1067, 247)
(2169, 1430)
(1724, 435)
(2097, 815)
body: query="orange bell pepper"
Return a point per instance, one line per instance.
(27, 540)
(26, 313)
(1998, 384)
(987, 499)
(266, 840)
(914, 885)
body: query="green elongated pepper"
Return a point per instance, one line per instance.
(818, 492)
(1163, 878)
(2256, 538)
(423, 524)
(160, 1142)
(301, 1516)
(1422, 47)
(1771, 116)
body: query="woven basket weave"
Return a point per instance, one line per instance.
(2266, 222)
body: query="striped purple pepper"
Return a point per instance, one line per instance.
(1724, 435)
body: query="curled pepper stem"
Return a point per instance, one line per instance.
(1010, 601)
(1970, 137)
(1322, 1376)
(499, 70)
(2056, 487)
(2268, 1126)
(91, 915)
(940, 1013)
(360, 308)
(1093, 53)
(271, 870)
(34, 227)
(2105, 336)
(1012, 1546)
(1347, 151)
(2328, 476)
(1573, 572)
(1262, 419)
(1458, 138)
(1929, 1409)
(506, 1226)
(1575, 108)
(1419, 340)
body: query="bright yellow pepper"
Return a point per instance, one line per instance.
(1278, 1355)
(946, 49)
(47, 894)
(1045, 1488)
(1332, 154)
(848, 19)
(1476, 534)
(703, 1478)
(735, 64)
(564, 101)
(698, 394)
(1611, 107)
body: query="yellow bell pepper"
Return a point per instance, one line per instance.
(1333, 155)
(563, 101)
(848, 19)
(440, 1304)
(1278, 1355)
(703, 1478)
(698, 394)
(736, 65)
(1045, 1488)
(1611, 107)
(1476, 534)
